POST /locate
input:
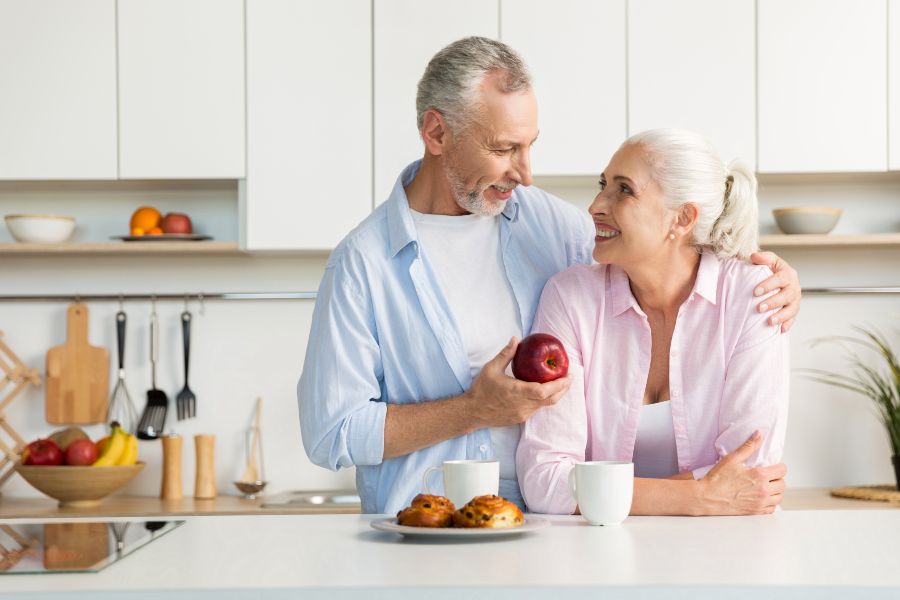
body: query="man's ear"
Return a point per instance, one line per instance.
(686, 218)
(435, 132)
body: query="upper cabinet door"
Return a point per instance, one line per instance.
(407, 34)
(894, 84)
(692, 65)
(575, 50)
(181, 89)
(822, 85)
(309, 123)
(57, 89)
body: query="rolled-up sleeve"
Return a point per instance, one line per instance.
(341, 413)
(756, 391)
(555, 437)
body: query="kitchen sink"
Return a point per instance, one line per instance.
(324, 499)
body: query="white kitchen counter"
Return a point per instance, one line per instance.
(795, 554)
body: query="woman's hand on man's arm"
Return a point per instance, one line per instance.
(786, 303)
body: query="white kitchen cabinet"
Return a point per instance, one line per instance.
(57, 89)
(407, 34)
(575, 50)
(822, 102)
(309, 123)
(181, 89)
(894, 84)
(692, 64)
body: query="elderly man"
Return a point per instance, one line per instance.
(402, 370)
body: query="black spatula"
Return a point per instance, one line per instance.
(153, 421)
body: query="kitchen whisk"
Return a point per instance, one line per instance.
(121, 408)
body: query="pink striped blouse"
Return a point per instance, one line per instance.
(728, 376)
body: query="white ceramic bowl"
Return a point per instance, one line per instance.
(807, 219)
(43, 229)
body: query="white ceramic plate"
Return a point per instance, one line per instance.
(390, 525)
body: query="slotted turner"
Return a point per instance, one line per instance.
(154, 418)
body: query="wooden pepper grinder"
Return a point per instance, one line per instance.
(205, 481)
(171, 480)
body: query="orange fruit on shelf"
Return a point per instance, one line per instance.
(146, 218)
(155, 231)
(137, 231)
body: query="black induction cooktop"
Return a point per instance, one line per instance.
(75, 547)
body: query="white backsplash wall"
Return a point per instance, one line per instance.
(103, 208)
(239, 350)
(245, 349)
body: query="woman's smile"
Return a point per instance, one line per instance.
(605, 232)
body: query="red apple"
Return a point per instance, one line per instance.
(81, 452)
(540, 358)
(43, 452)
(177, 223)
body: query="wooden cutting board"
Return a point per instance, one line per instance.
(77, 375)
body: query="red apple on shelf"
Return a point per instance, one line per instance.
(81, 452)
(540, 358)
(177, 223)
(42, 453)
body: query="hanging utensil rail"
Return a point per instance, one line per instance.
(199, 296)
(203, 297)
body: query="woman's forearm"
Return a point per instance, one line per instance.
(674, 496)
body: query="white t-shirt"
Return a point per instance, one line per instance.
(465, 254)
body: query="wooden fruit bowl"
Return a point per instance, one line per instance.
(78, 486)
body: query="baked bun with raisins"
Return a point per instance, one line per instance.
(488, 511)
(427, 510)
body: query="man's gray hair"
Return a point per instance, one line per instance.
(453, 75)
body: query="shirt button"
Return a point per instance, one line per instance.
(483, 448)
(674, 393)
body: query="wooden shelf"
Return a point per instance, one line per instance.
(829, 240)
(121, 248)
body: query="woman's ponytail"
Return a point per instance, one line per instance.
(735, 231)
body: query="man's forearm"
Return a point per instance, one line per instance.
(411, 427)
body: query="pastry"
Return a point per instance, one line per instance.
(488, 511)
(427, 510)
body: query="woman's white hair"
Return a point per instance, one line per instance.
(689, 170)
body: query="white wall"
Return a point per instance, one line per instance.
(240, 349)
(246, 349)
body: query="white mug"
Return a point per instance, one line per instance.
(465, 479)
(603, 490)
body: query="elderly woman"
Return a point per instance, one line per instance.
(671, 365)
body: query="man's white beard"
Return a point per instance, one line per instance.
(472, 201)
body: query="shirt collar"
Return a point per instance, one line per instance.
(402, 229)
(622, 298)
(706, 284)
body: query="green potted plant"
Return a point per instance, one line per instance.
(882, 385)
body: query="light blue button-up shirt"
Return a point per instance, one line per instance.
(383, 332)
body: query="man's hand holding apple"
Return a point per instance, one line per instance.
(499, 400)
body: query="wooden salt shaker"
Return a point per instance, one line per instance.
(171, 479)
(205, 481)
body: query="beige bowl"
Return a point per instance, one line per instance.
(807, 220)
(42, 229)
(78, 486)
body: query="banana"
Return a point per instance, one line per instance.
(115, 447)
(129, 456)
